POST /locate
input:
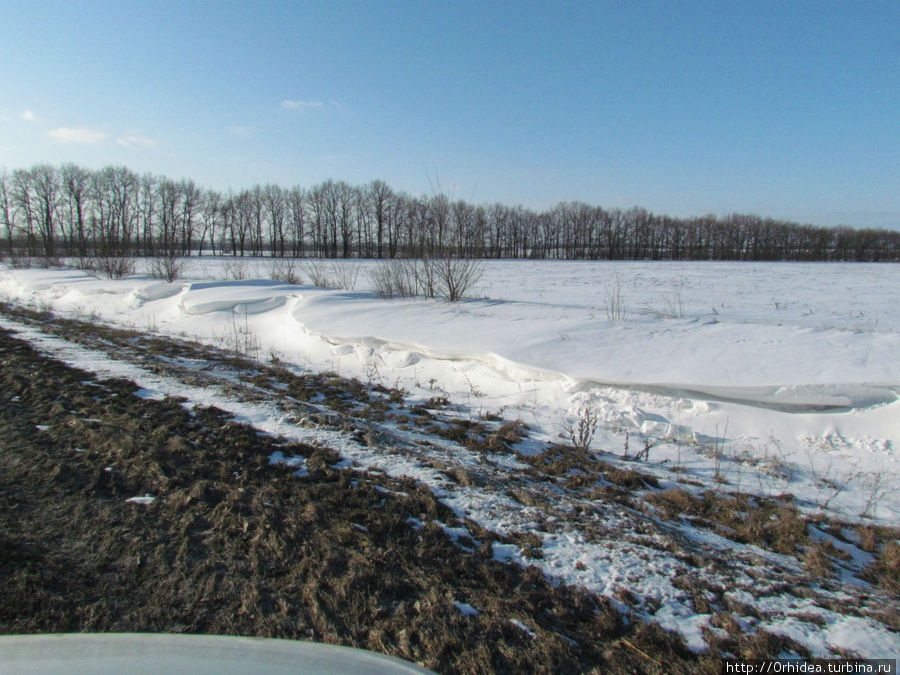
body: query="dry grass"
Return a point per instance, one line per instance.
(817, 561)
(885, 571)
(352, 539)
(234, 545)
(769, 523)
(868, 538)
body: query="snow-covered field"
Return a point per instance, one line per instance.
(767, 378)
(788, 371)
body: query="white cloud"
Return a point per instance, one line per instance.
(240, 131)
(68, 135)
(135, 142)
(301, 105)
(28, 116)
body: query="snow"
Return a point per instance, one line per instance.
(466, 609)
(145, 499)
(298, 463)
(791, 366)
(787, 372)
(522, 627)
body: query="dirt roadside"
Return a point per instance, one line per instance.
(232, 544)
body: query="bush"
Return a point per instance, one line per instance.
(456, 276)
(114, 267)
(236, 269)
(317, 272)
(285, 270)
(168, 267)
(344, 275)
(615, 307)
(394, 278)
(19, 260)
(445, 278)
(48, 261)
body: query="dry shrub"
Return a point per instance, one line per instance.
(445, 278)
(456, 276)
(114, 267)
(344, 274)
(20, 260)
(285, 270)
(168, 267)
(396, 278)
(581, 430)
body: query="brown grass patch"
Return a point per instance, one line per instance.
(769, 523)
(885, 571)
(234, 545)
(817, 561)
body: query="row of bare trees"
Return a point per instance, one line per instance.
(113, 213)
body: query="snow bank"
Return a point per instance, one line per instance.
(791, 368)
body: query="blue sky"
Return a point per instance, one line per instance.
(786, 109)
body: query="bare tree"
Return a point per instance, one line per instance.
(45, 183)
(456, 276)
(190, 204)
(380, 198)
(296, 207)
(115, 218)
(345, 202)
(170, 198)
(6, 208)
(211, 203)
(112, 214)
(147, 207)
(276, 211)
(76, 183)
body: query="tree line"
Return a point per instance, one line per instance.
(113, 213)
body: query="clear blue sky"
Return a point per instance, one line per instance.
(787, 109)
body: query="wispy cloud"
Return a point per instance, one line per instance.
(240, 131)
(28, 116)
(69, 135)
(301, 105)
(135, 142)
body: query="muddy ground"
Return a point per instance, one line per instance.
(232, 544)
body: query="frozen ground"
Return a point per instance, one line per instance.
(766, 378)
